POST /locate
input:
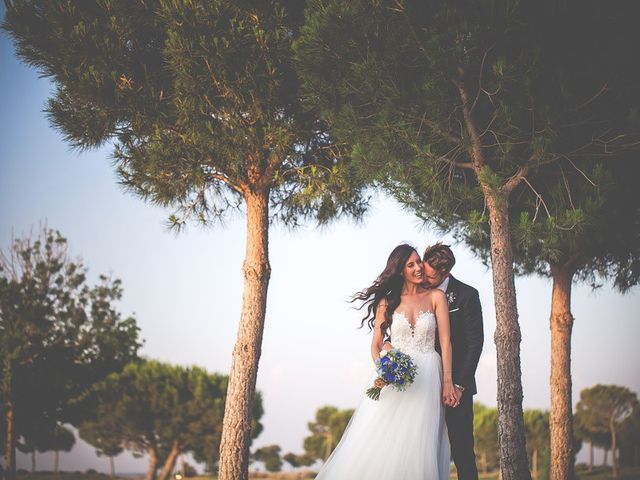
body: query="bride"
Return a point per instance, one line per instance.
(401, 436)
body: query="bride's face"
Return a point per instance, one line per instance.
(413, 271)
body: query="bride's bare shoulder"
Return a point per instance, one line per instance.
(437, 294)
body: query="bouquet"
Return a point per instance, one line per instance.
(396, 369)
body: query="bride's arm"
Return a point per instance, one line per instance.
(377, 343)
(441, 309)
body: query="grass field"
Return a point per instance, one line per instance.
(598, 474)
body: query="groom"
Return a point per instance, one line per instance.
(465, 316)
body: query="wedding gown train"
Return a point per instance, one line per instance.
(403, 435)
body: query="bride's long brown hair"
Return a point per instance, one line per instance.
(388, 285)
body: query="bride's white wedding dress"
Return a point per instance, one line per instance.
(403, 435)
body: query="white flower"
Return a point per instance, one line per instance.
(451, 297)
(383, 353)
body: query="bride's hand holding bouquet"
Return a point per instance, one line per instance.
(395, 368)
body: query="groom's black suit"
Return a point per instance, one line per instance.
(467, 337)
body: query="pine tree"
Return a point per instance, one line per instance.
(270, 456)
(326, 432)
(485, 434)
(457, 108)
(572, 226)
(163, 410)
(201, 102)
(536, 423)
(106, 443)
(602, 409)
(630, 439)
(57, 440)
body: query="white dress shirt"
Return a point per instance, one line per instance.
(443, 286)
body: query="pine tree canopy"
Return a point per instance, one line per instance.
(550, 89)
(199, 99)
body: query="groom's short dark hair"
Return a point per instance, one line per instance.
(440, 257)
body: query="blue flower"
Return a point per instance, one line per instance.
(384, 360)
(394, 365)
(388, 377)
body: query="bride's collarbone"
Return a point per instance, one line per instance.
(413, 309)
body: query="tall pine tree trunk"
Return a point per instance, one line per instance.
(33, 460)
(605, 461)
(10, 447)
(590, 455)
(56, 461)
(153, 464)
(513, 455)
(614, 460)
(112, 467)
(236, 426)
(561, 414)
(170, 462)
(534, 462)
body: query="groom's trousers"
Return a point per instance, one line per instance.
(460, 427)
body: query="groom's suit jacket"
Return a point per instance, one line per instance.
(467, 335)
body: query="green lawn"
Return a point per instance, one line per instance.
(632, 473)
(598, 474)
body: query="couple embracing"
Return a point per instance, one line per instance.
(417, 307)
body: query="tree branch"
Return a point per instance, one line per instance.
(274, 163)
(536, 159)
(540, 199)
(456, 163)
(236, 185)
(583, 174)
(600, 92)
(434, 127)
(477, 155)
(517, 177)
(480, 89)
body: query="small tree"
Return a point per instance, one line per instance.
(583, 431)
(48, 359)
(536, 423)
(27, 447)
(485, 433)
(580, 430)
(298, 460)
(162, 410)
(630, 439)
(270, 456)
(326, 432)
(188, 470)
(106, 443)
(57, 440)
(603, 408)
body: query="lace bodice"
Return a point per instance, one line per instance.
(414, 339)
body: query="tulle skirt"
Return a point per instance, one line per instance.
(401, 436)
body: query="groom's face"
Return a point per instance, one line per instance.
(433, 277)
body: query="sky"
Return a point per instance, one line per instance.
(185, 289)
